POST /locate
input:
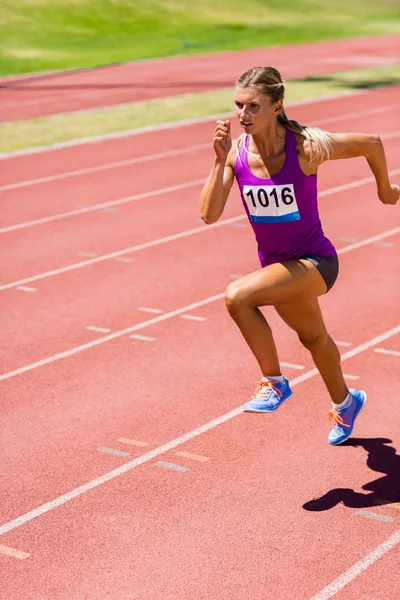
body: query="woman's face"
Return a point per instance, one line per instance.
(255, 111)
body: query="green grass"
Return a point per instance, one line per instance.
(39, 35)
(51, 130)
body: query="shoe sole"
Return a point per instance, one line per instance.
(352, 431)
(255, 410)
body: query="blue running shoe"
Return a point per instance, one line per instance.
(269, 395)
(344, 418)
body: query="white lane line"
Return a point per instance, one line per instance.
(340, 343)
(156, 311)
(371, 515)
(384, 351)
(180, 235)
(333, 588)
(143, 338)
(88, 254)
(292, 366)
(112, 451)
(81, 211)
(111, 336)
(104, 167)
(171, 125)
(347, 376)
(193, 318)
(25, 288)
(13, 552)
(144, 246)
(99, 329)
(48, 506)
(177, 152)
(167, 190)
(165, 316)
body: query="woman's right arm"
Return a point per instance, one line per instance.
(220, 180)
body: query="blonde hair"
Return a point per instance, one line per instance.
(269, 81)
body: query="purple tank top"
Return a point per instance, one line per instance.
(283, 209)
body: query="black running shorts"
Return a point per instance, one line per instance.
(328, 266)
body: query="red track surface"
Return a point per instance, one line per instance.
(233, 527)
(30, 97)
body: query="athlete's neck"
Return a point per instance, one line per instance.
(269, 142)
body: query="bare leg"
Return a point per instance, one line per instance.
(304, 316)
(278, 283)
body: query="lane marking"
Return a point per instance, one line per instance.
(158, 319)
(99, 329)
(385, 244)
(372, 515)
(111, 336)
(125, 260)
(196, 457)
(347, 239)
(175, 124)
(384, 351)
(156, 311)
(112, 451)
(13, 552)
(81, 211)
(193, 318)
(368, 560)
(292, 366)
(24, 288)
(104, 167)
(347, 376)
(340, 343)
(143, 338)
(131, 442)
(181, 235)
(60, 500)
(167, 465)
(177, 151)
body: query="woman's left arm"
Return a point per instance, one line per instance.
(351, 145)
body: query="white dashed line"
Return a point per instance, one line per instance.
(24, 288)
(143, 338)
(340, 343)
(124, 260)
(167, 447)
(389, 352)
(292, 366)
(156, 311)
(347, 376)
(99, 329)
(193, 318)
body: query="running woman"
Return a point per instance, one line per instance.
(275, 162)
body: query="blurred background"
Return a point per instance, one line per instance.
(39, 35)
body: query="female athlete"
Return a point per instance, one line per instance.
(275, 162)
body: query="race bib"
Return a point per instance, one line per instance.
(271, 203)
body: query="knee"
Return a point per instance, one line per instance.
(314, 341)
(235, 297)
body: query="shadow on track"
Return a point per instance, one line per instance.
(384, 490)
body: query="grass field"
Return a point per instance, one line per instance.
(62, 128)
(39, 35)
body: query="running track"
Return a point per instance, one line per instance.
(233, 524)
(34, 96)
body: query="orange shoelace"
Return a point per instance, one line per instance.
(264, 387)
(334, 415)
